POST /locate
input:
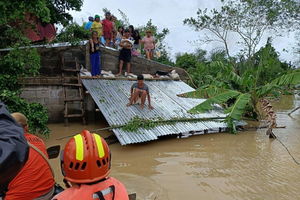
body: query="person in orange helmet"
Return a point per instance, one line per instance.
(86, 163)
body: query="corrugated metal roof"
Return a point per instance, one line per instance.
(111, 96)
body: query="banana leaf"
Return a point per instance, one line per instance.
(237, 110)
(288, 79)
(204, 92)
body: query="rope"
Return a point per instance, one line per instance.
(288, 151)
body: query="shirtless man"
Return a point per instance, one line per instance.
(139, 92)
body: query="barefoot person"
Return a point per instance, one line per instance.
(139, 92)
(95, 54)
(125, 53)
(107, 29)
(149, 44)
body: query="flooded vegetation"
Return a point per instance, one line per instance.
(215, 166)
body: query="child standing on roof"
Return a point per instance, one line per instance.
(97, 26)
(125, 53)
(119, 36)
(149, 44)
(95, 54)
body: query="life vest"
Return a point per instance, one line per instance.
(109, 189)
(36, 177)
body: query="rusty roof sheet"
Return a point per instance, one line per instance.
(111, 96)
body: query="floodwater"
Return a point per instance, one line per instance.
(246, 166)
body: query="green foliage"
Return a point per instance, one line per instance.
(59, 10)
(160, 44)
(35, 112)
(292, 78)
(21, 61)
(15, 64)
(207, 91)
(47, 10)
(217, 99)
(241, 93)
(236, 111)
(186, 61)
(137, 123)
(73, 33)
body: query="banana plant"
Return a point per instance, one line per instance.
(245, 94)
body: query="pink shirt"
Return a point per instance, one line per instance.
(149, 42)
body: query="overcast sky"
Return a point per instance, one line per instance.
(170, 14)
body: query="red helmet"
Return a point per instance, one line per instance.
(86, 158)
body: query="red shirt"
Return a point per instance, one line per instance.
(35, 179)
(107, 26)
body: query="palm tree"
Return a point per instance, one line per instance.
(241, 94)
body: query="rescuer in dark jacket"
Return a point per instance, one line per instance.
(13, 148)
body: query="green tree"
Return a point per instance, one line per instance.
(73, 33)
(249, 20)
(186, 61)
(22, 61)
(240, 94)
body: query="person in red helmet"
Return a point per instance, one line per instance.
(86, 163)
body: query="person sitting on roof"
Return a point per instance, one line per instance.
(85, 164)
(139, 92)
(35, 180)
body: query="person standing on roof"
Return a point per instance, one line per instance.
(89, 24)
(119, 36)
(86, 164)
(149, 44)
(97, 26)
(139, 92)
(13, 149)
(126, 45)
(35, 180)
(107, 28)
(95, 54)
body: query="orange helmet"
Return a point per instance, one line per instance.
(86, 158)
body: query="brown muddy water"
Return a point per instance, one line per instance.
(245, 166)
